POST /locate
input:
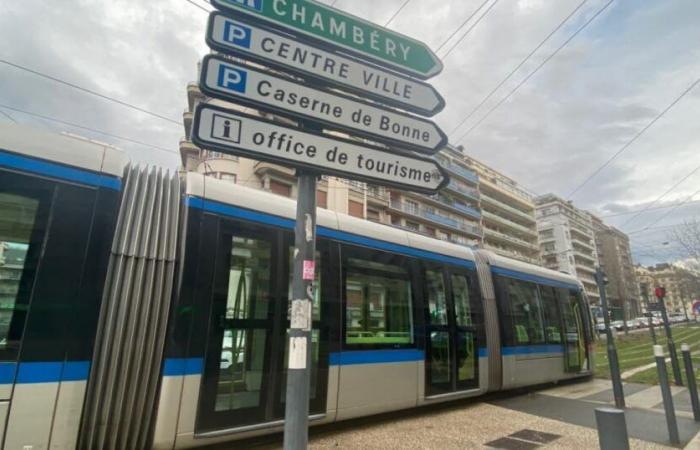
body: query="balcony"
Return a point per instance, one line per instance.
(513, 240)
(464, 190)
(261, 168)
(512, 254)
(584, 243)
(586, 256)
(509, 223)
(378, 193)
(510, 209)
(417, 211)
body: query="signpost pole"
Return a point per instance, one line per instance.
(618, 392)
(296, 414)
(661, 295)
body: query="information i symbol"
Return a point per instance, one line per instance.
(227, 129)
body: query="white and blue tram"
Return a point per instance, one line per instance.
(142, 309)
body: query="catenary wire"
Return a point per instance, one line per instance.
(197, 5)
(89, 91)
(52, 119)
(627, 213)
(8, 116)
(531, 74)
(671, 189)
(675, 207)
(513, 72)
(636, 136)
(469, 30)
(461, 26)
(396, 13)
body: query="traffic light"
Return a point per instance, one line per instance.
(660, 292)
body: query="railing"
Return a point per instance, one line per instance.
(509, 223)
(510, 238)
(378, 192)
(459, 170)
(502, 205)
(512, 254)
(430, 215)
(582, 242)
(470, 192)
(584, 255)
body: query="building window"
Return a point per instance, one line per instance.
(378, 304)
(322, 199)
(356, 209)
(412, 226)
(280, 188)
(411, 207)
(230, 177)
(430, 231)
(396, 221)
(373, 215)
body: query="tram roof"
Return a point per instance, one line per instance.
(274, 205)
(63, 148)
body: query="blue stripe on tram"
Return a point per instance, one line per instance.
(54, 170)
(532, 349)
(43, 372)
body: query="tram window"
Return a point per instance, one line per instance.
(436, 297)
(244, 341)
(551, 314)
(460, 292)
(378, 303)
(526, 312)
(17, 223)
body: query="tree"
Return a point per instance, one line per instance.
(687, 236)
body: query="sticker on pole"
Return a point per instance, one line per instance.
(297, 353)
(309, 270)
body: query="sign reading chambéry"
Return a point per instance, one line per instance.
(265, 46)
(239, 83)
(235, 132)
(354, 35)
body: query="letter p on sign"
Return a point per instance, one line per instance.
(237, 34)
(232, 78)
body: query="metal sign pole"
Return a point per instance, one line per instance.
(296, 413)
(661, 296)
(618, 392)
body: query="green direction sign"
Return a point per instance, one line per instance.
(338, 29)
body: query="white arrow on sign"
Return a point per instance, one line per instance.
(241, 134)
(284, 52)
(242, 84)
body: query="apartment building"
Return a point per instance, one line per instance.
(508, 214)
(567, 241)
(682, 286)
(615, 259)
(452, 215)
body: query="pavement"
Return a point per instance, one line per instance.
(552, 417)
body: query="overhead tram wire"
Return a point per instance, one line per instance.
(89, 91)
(471, 16)
(627, 213)
(671, 189)
(126, 139)
(636, 136)
(518, 67)
(192, 2)
(662, 227)
(531, 74)
(687, 201)
(396, 13)
(469, 30)
(8, 116)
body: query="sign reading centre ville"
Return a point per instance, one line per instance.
(281, 51)
(241, 84)
(241, 134)
(354, 35)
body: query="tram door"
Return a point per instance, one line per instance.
(575, 345)
(245, 369)
(451, 340)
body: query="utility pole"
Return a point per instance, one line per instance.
(618, 393)
(296, 422)
(661, 296)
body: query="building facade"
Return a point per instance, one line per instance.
(682, 286)
(508, 214)
(567, 241)
(615, 259)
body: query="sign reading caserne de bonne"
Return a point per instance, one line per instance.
(352, 34)
(245, 85)
(241, 134)
(259, 44)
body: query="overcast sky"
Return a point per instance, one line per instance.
(579, 109)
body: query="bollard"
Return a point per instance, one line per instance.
(612, 429)
(690, 379)
(666, 394)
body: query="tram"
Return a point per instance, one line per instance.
(147, 309)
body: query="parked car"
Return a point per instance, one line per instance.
(619, 325)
